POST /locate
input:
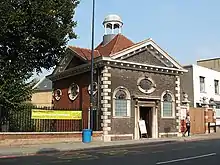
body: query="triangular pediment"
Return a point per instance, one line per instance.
(145, 57)
(147, 52)
(70, 60)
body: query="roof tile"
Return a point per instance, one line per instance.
(84, 53)
(118, 43)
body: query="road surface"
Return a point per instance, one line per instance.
(181, 153)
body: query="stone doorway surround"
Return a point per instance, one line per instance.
(145, 101)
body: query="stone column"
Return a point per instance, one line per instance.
(185, 105)
(186, 102)
(156, 122)
(205, 105)
(136, 119)
(106, 102)
(213, 106)
(214, 113)
(177, 95)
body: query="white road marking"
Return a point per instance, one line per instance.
(184, 159)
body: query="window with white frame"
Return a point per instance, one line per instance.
(216, 83)
(217, 111)
(167, 105)
(202, 83)
(121, 102)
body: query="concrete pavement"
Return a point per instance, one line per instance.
(22, 150)
(190, 153)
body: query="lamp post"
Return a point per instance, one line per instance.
(92, 63)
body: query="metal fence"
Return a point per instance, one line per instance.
(20, 121)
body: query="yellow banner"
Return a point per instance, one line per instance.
(56, 114)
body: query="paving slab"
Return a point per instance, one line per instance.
(23, 150)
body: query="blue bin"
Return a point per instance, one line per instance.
(86, 135)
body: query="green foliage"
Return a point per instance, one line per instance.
(33, 35)
(20, 119)
(14, 92)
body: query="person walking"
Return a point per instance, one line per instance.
(187, 125)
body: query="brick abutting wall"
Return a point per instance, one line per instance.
(82, 102)
(106, 102)
(42, 99)
(26, 135)
(177, 96)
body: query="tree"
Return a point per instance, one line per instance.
(14, 92)
(33, 35)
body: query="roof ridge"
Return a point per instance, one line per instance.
(72, 49)
(131, 47)
(127, 38)
(115, 43)
(83, 53)
(39, 82)
(109, 41)
(80, 47)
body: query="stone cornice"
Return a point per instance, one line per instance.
(146, 97)
(107, 61)
(76, 70)
(141, 67)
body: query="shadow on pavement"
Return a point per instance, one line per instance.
(47, 150)
(119, 146)
(47, 155)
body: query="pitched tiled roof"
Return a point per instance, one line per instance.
(84, 53)
(43, 85)
(118, 43)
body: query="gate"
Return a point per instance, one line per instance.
(197, 117)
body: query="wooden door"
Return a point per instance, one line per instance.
(197, 120)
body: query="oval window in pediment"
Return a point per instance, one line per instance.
(146, 85)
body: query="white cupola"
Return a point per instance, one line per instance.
(113, 26)
(112, 22)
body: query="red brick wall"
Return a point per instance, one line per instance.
(41, 135)
(82, 102)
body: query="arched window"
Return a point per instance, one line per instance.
(121, 102)
(167, 105)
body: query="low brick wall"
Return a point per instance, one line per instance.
(118, 138)
(27, 138)
(42, 135)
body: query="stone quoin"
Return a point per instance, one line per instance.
(135, 81)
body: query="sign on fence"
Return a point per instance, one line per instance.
(56, 114)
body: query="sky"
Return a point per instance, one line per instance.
(188, 30)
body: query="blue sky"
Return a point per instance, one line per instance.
(188, 30)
